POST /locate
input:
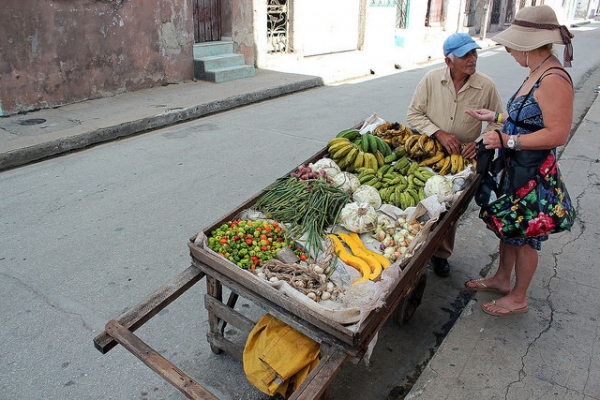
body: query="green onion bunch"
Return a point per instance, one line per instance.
(308, 206)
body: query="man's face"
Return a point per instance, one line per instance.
(466, 64)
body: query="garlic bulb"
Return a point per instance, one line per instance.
(438, 184)
(328, 165)
(358, 217)
(346, 182)
(367, 194)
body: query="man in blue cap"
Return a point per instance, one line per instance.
(438, 110)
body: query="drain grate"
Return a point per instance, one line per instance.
(32, 121)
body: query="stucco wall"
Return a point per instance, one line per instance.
(242, 15)
(55, 52)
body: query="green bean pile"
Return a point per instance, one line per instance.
(309, 206)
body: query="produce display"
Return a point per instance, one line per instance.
(248, 243)
(311, 279)
(427, 151)
(395, 237)
(351, 150)
(328, 210)
(308, 203)
(359, 256)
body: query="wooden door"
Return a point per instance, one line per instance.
(207, 20)
(434, 13)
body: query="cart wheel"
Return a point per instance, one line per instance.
(408, 305)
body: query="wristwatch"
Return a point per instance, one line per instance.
(511, 142)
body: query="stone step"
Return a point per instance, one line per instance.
(203, 64)
(206, 49)
(229, 73)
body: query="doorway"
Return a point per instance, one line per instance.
(207, 20)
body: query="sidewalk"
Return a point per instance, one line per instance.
(30, 137)
(552, 352)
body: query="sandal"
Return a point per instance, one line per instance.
(482, 287)
(510, 310)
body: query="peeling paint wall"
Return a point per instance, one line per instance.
(242, 15)
(59, 52)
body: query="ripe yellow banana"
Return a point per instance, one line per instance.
(340, 152)
(350, 157)
(432, 160)
(447, 166)
(359, 161)
(335, 141)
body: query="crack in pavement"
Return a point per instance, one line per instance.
(89, 320)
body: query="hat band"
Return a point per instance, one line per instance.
(565, 35)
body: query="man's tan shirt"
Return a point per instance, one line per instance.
(436, 105)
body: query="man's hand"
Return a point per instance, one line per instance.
(449, 141)
(469, 150)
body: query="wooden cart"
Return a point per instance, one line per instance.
(338, 343)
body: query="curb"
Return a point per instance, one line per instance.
(52, 148)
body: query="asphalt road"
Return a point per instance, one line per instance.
(89, 234)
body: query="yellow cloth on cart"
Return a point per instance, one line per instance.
(277, 358)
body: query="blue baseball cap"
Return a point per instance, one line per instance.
(459, 44)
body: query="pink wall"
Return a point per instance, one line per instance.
(63, 51)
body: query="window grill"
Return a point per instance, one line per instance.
(402, 14)
(278, 27)
(383, 3)
(495, 19)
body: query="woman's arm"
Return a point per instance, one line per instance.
(555, 98)
(485, 115)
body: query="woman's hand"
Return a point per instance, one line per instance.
(491, 140)
(482, 114)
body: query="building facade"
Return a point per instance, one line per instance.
(55, 53)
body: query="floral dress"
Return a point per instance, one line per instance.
(524, 117)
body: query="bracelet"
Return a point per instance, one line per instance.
(518, 143)
(495, 118)
(498, 117)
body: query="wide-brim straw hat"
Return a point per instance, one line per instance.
(533, 28)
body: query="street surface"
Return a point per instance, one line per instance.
(87, 235)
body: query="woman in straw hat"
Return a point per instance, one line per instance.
(539, 118)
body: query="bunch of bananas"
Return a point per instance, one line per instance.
(400, 184)
(394, 134)
(351, 150)
(429, 152)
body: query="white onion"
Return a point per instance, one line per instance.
(346, 182)
(328, 165)
(358, 217)
(439, 185)
(367, 194)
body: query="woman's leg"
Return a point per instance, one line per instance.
(525, 266)
(501, 279)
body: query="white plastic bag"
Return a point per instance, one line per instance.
(371, 123)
